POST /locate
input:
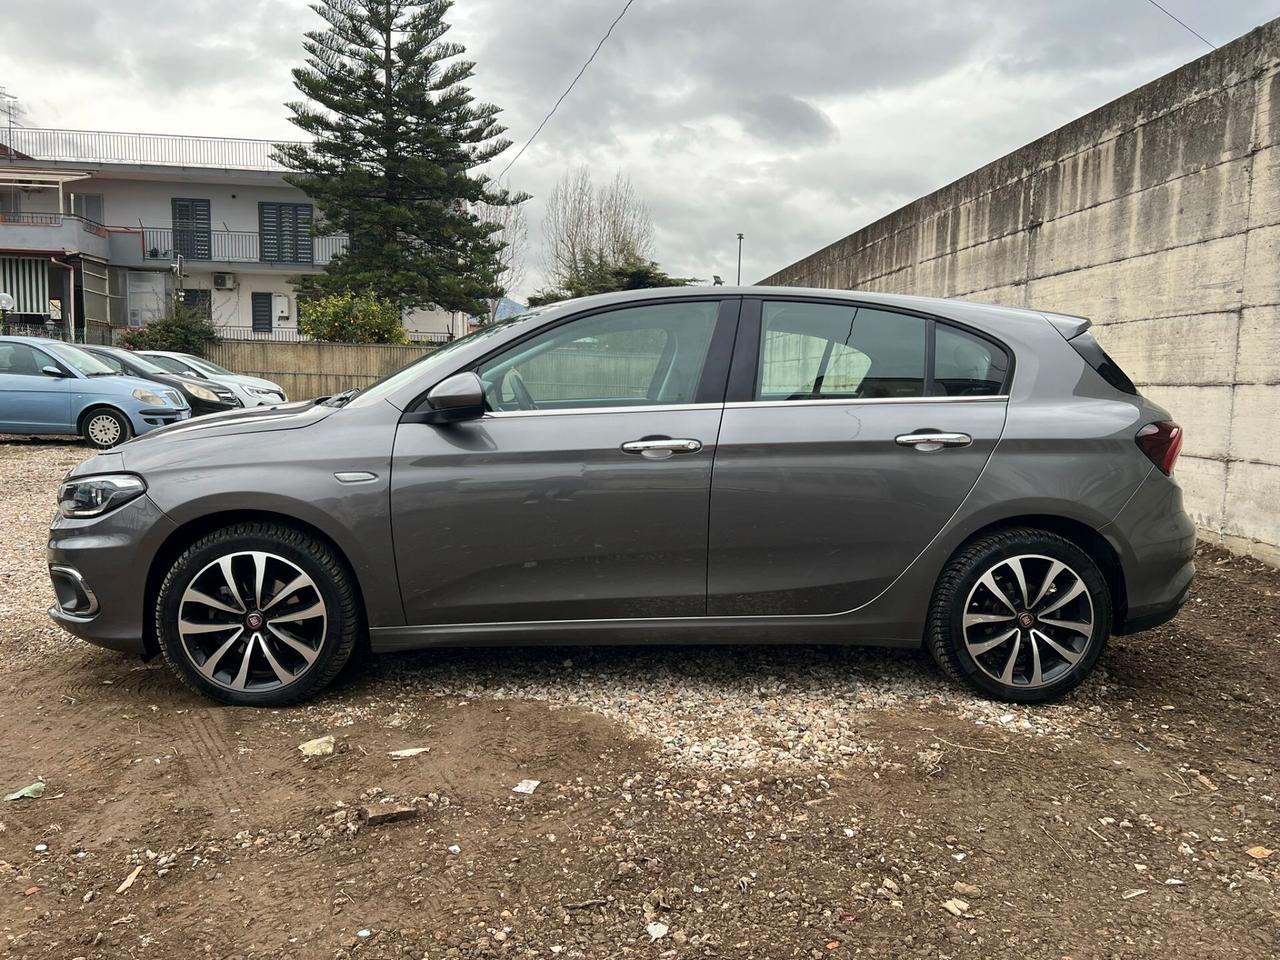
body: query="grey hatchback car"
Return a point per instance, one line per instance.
(717, 465)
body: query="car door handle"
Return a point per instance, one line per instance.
(659, 445)
(933, 440)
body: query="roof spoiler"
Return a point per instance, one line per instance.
(1067, 325)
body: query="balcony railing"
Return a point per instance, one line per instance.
(53, 220)
(235, 246)
(160, 149)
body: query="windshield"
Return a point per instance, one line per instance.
(426, 364)
(84, 363)
(145, 364)
(168, 363)
(200, 363)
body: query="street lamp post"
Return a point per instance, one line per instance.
(739, 259)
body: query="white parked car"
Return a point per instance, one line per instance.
(252, 391)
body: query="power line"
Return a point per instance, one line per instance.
(1181, 24)
(568, 89)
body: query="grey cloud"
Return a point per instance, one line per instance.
(776, 116)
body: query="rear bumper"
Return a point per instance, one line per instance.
(1156, 541)
(99, 570)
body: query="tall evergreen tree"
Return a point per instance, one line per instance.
(395, 136)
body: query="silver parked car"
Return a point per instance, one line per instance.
(745, 465)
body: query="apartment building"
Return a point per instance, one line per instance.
(101, 229)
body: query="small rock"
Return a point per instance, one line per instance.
(965, 889)
(526, 786)
(955, 907)
(376, 816)
(656, 930)
(319, 747)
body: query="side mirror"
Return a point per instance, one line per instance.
(51, 371)
(460, 397)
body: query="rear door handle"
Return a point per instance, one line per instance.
(933, 440)
(658, 446)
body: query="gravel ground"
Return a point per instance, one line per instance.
(761, 802)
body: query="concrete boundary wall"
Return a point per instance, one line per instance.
(307, 370)
(1158, 216)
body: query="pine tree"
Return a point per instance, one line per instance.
(395, 136)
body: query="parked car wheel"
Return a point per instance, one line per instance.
(1021, 615)
(104, 428)
(257, 614)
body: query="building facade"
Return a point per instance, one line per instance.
(102, 230)
(1157, 216)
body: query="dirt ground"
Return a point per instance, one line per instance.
(766, 803)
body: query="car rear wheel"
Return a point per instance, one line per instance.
(1020, 615)
(105, 428)
(258, 614)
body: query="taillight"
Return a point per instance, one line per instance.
(1161, 442)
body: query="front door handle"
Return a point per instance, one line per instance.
(661, 446)
(928, 440)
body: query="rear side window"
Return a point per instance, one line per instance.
(1108, 369)
(967, 366)
(816, 351)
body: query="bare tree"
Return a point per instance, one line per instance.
(585, 224)
(513, 233)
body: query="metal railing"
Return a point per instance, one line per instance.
(232, 246)
(161, 149)
(291, 335)
(53, 220)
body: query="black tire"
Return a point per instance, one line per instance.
(93, 434)
(1033, 553)
(332, 582)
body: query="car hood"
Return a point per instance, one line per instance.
(167, 441)
(244, 381)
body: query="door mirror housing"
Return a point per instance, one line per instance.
(49, 370)
(454, 399)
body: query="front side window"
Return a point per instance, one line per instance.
(638, 356)
(815, 351)
(19, 360)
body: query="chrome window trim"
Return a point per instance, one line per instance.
(575, 411)
(673, 407)
(738, 404)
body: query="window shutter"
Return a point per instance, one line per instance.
(261, 312)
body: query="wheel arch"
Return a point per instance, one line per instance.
(191, 531)
(94, 406)
(1084, 536)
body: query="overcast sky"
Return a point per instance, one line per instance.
(794, 122)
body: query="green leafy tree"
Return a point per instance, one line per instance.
(184, 329)
(597, 275)
(395, 135)
(347, 318)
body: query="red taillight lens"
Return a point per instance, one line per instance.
(1161, 442)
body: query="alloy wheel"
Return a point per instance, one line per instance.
(252, 621)
(104, 430)
(1028, 621)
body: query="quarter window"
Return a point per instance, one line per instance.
(632, 357)
(967, 366)
(814, 351)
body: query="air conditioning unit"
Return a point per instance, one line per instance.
(224, 281)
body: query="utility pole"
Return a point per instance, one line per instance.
(739, 259)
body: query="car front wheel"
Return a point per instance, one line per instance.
(105, 428)
(258, 614)
(1020, 615)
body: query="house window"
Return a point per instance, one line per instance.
(88, 205)
(192, 236)
(200, 301)
(284, 231)
(261, 312)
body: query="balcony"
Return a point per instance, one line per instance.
(52, 234)
(163, 244)
(142, 149)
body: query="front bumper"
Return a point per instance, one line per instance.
(106, 559)
(151, 418)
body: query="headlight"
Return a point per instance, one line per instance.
(149, 397)
(266, 392)
(94, 496)
(204, 393)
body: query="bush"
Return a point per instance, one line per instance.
(185, 330)
(346, 318)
